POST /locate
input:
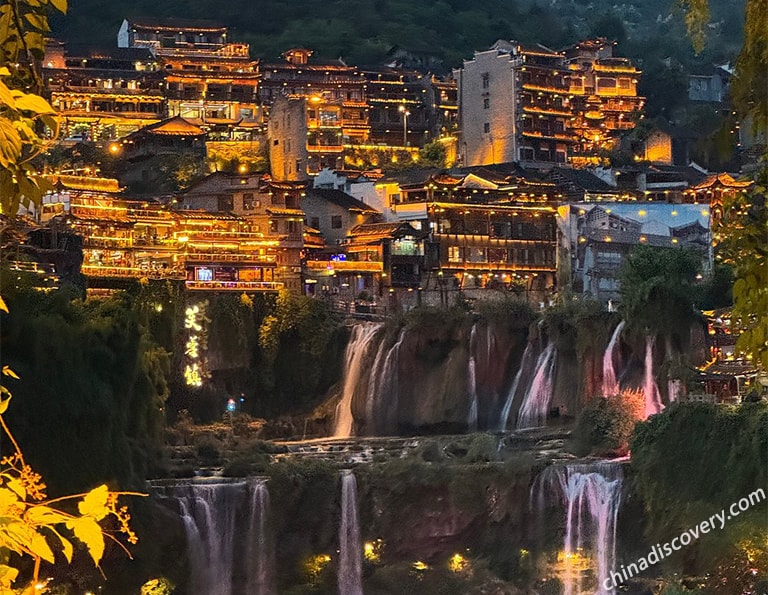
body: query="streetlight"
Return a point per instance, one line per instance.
(405, 113)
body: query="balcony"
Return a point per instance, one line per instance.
(344, 266)
(484, 240)
(259, 286)
(96, 270)
(268, 261)
(325, 148)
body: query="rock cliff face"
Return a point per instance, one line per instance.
(476, 374)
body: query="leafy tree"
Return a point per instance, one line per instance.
(690, 462)
(432, 155)
(31, 522)
(657, 290)
(744, 228)
(748, 90)
(23, 113)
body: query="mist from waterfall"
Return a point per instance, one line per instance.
(535, 407)
(610, 374)
(354, 356)
(350, 547)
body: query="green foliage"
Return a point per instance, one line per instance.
(432, 155)
(24, 26)
(751, 80)
(23, 113)
(484, 448)
(508, 312)
(604, 427)
(717, 290)
(657, 290)
(301, 346)
(696, 21)
(578, 325)
(695, 458)
(744, 228)
(93, 379)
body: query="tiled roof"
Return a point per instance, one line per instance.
(341, 199)
(176, 24)
(176, 126)
(724, 179)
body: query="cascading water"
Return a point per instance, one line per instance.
(359, 344)
(350, 552)
(383, 392)
(610, 376)
(650, 389)
(674, 387)
(209, 514)
(591, 495)
(535, 407)
(261, 560)
(525, 363)
(472, 380)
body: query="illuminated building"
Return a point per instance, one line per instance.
(314, 109)
(399, 112)
(143, 151)
(103, 94)
(207, 77)
(129, 239)
(713, 190)
(340, 266)
(488, 227)
(604, 100)
(268, 211)
(514, 106)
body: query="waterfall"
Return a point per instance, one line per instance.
(535, 407)
(525, 363)
(650, 389)
(610, 376)
(359, 344)
(261, 561)
(209, 514)
(674, 387)
(350, 550)
(591, 494)
(472, 381)
(383, 391)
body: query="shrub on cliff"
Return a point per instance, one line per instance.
(605, 425)
(694, 460)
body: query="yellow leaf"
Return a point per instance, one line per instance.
(43, 515)
(7, 575)
(3, 307)
(39, 546)
(66, 545)
(8, 499)
(60, 5)
(8, 372)
(88, 531)
(4, 71)
(5, 96)
(95, 503)
(4, 402)
(18, 488)
(34, 103)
